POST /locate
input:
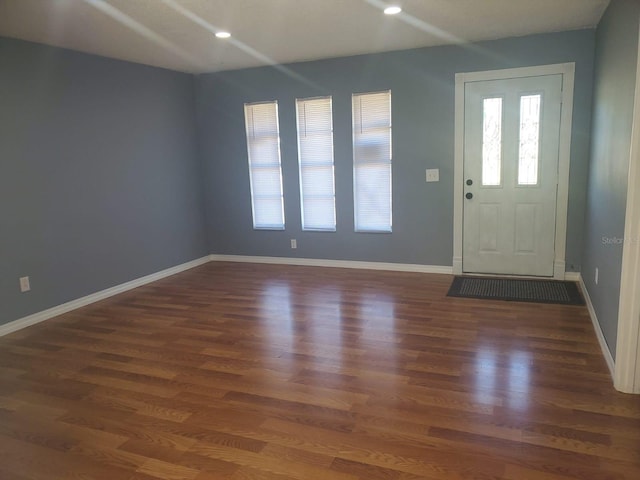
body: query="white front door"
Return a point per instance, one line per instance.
(511, 142)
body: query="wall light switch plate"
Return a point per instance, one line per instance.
(25, 285)
(433, 174)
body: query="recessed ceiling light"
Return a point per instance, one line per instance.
(223, 34)
(392, 10)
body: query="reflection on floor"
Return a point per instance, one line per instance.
(242, 371)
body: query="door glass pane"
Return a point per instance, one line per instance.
(491, 141)
(529, 139)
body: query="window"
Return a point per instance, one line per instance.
(372, 161)
(315, 159)
(492, 141)
(529, 139)
(265, 172)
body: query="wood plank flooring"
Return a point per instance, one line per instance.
(262, 372)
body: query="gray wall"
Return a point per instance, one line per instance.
(422, 84)
(99, 174)
(615, 77)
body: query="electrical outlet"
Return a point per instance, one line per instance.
(294, 243)
(596, 275)
(433, 174)
(25, 285)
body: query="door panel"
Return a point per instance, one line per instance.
(526, 226)
(488, 227)
(511, 145)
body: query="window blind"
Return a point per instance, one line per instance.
(315, 160)
(372, 161)
(265, 171)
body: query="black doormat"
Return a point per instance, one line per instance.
(516, 290)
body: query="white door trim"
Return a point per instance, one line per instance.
(627, 367)
(567, 70)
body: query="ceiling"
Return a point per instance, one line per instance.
(178, 34)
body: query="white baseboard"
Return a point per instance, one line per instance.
(559, 272)
(572, 277)
(457, 265)
(596, 326)
(316, 262)
(95, 297)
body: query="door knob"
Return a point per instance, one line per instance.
(469, 182)
(469, 196)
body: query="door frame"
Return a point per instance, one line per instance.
(567, 70)
(626, 377)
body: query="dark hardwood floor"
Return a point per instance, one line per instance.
(247, 372)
